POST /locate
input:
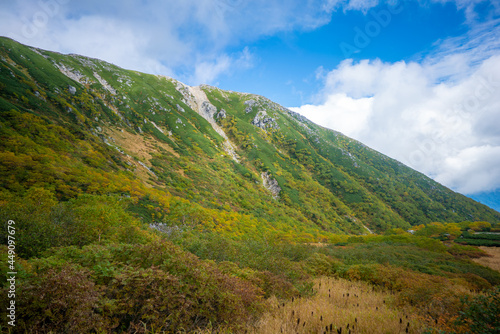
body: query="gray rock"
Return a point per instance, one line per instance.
(181, 109)
(264, 122)
(72, 90)
(271, 184)
(222, 114)
(249, 104)
(208, 110)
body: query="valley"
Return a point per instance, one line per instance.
(143, 205)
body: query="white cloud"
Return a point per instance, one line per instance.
(469, 7)
(208, 71)
(482, 162)
(439, 116)
(340, 112)
(187, 39)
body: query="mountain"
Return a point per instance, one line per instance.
(134, 203)
(199, 158)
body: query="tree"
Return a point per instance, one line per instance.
(479, 226)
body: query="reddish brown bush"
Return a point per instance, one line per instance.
(60, 301)
(146, 298)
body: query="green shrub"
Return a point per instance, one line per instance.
(320, 264)
(479, 242)
(480, 314)
(464, 251)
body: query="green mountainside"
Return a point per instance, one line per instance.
(75, 125)
(132, 203)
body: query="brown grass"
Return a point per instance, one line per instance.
(493, 258)
(353, 306)
(138, 147)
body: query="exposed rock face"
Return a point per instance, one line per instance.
(181, 109)
(105, 84)
(196, 98)
(222, 114)
(73, 74)
(271, 184)
(249, 104)
(297, 116)
(264, 122)
(207, 110)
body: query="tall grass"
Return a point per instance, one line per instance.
(338, 305)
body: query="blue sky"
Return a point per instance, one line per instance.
(417, 80)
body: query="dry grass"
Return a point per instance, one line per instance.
(137, 145)
(493, 258)
(352, 307)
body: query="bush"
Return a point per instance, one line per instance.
(60, 301)
(322, 265)
(155, 286)
(481, 313)
(479, 242)
(464, 251)
(43, 223)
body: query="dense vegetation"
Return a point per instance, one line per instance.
(132, 215)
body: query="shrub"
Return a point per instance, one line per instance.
(158, 286)
(480, 226)
(462, 251)
(480, 314)
(60, 301)
(320, 264)
(479, 242)
(147, 296)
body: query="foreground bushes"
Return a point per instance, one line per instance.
(481, 314)
(210, 281)
(131, 288)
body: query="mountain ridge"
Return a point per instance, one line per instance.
(211, 149)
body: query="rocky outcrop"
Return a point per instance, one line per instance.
(264, 122)
(208, 110)
(222, 114)
(181, 109)
(196, 98)
(104, 83)
(271, 184)
(249, 104)
(73, 74)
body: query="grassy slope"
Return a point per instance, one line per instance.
(329, 182)
(83, 174)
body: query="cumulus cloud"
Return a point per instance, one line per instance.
(439, 116)
(188, 39)
(483, 162)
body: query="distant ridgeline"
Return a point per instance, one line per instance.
(196, 158)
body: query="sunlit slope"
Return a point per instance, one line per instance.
(217, 159)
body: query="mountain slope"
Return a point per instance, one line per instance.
(199, 157)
